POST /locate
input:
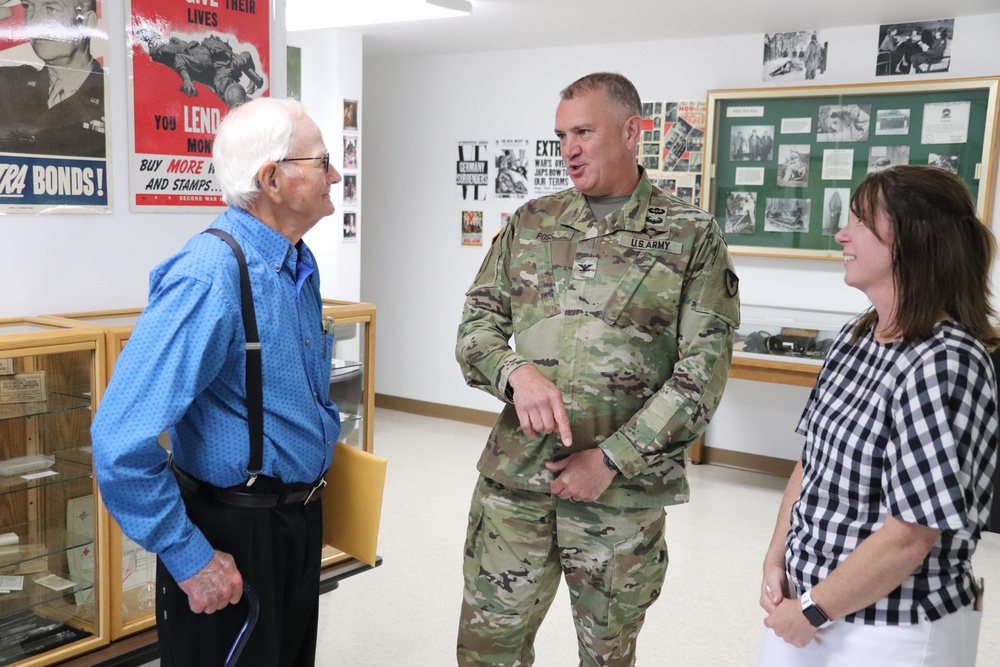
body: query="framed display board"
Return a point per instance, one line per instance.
(782, 163)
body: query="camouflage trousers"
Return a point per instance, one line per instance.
(519, 542)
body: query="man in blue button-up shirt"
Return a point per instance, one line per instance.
(184, 371)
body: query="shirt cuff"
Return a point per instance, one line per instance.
(510, 365)
(188, 559)
(624, 455)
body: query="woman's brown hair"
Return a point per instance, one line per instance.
(941, 252)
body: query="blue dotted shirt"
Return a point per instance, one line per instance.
(183, 370)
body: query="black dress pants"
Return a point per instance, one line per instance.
(278, 552)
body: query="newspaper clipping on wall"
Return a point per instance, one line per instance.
(189, 64)
(550, 171)
(671, 146)
(54, 139)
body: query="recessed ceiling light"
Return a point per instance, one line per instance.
(318, 14)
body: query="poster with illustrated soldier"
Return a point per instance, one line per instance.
(54, 138)
(510, 162)
(189, 64)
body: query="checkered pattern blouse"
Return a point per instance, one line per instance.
(902, 430)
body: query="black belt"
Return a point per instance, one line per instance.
(296, 494)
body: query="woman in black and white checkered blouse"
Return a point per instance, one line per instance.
(870, 561)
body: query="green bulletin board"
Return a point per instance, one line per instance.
(782, 163)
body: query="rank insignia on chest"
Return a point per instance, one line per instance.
(584, 268)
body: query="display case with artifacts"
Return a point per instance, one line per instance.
(784, 345)
(132, 569)
(53, 541)
(352, 387)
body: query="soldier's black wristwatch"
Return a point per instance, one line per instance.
(608, 462)
(816, 616)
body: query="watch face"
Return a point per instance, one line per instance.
(815, 615)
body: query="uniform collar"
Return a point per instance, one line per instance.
(630, 217)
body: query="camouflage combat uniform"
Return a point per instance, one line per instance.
(632, 319)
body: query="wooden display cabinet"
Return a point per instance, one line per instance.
(132, 568)
(352, 385)
(53, 528)
(352, 381)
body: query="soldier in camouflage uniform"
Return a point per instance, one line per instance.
(622, 304)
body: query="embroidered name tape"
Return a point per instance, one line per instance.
(655, 244)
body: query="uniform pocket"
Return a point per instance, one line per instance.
(533, 293)
(643, 304)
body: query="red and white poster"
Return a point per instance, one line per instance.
(190, 62)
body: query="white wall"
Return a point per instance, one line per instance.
(331, 72)
(73, 263)
(413, 267)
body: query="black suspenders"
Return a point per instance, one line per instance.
(254, 379)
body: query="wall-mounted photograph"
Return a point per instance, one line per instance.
(787, 214)
(741, 213)
(794, 56)
(843, 122)
(754, 143)
(793, 165)
(922, 47)
(881, 157)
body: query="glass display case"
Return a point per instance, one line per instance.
(352, 380)
(784, 345)
(352, 387)
(132, 568)
(53, 538)
(774, 344)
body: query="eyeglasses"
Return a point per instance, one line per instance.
(324, 158)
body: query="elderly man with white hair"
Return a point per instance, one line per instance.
(234, 501)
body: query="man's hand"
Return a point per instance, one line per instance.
(5, 12)
(582, 476)
(539, 404)
(215, 586)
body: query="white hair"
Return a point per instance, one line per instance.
(250, 136)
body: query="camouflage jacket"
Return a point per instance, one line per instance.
(632, 318)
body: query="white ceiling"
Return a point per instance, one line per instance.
(519, 24)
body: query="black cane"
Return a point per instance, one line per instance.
(253, 611)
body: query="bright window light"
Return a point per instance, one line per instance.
(316, 14)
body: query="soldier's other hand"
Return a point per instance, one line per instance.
(189, 89)
(539, 404)
(215, 586)
(581, 476)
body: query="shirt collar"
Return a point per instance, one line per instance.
(275, 250)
